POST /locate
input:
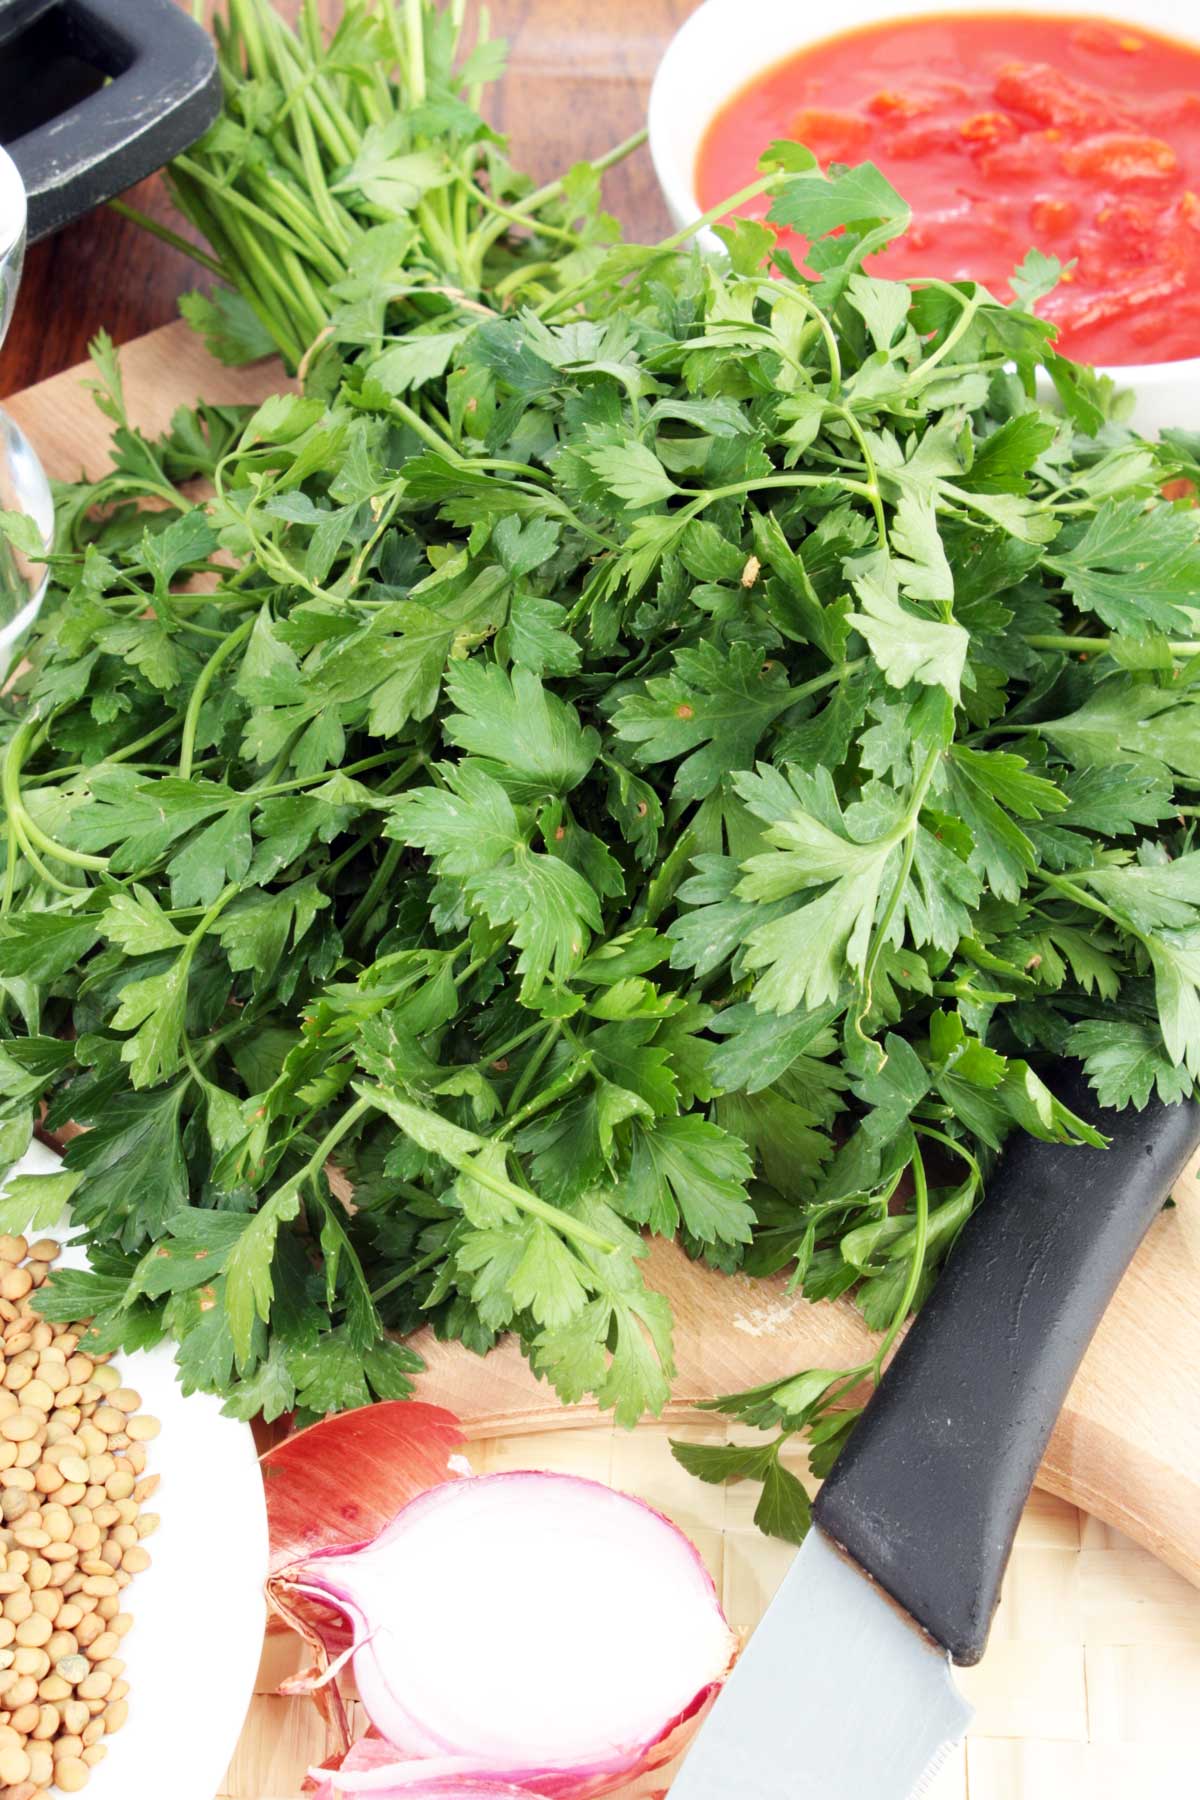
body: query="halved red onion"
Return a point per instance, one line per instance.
(534, 1630)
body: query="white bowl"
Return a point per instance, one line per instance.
(727, 42)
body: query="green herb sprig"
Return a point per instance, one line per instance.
(324, 142)
(672, 760)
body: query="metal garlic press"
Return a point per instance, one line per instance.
(96, 94)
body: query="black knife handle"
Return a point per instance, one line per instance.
(927, 1494)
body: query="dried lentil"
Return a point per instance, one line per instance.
(72, 1483)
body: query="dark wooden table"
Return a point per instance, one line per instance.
(579, 72)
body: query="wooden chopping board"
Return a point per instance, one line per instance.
(1127, 1446)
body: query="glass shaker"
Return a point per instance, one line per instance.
(23, 484)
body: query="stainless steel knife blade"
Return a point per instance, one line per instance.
(838, 1696)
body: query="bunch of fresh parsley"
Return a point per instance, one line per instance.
(321, 140)
(666, 759)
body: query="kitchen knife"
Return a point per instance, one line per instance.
(845, 1691)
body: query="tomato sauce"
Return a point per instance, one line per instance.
(1005, 131)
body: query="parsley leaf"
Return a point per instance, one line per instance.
(1134, 566)
(1125, 718)
(908, 646)
(525, 736)
(715, 706)
(687, 1169)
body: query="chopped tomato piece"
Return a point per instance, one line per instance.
(1050, 97)
(927, 138)
(890, 103)
(988, 128)
(1050, 218)
(1131, 225)
(1121, 156)
(1025, 159)
(832, 136)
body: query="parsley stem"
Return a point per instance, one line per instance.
(126, 485)
(529, 1202)
(521, 1197)
(856, 431)
(166, 236)
(969, 307)
(303, 120)
(558, 232)
(290, 331)
(513, 468)
(534, 1064)
(1073, 891)
(408, 1274)
(1098, 646)
(346, 1123)
(121, 755)
(366, 904)
(821, 326)
(193, 1067)
(837, 673)
(916, 1266)
(765, 184)
(522, 210)
(660, 889)
(954, 1144)
(354, 768)
(524, 275)
(760, 482)
(39, 868)
(290, 207)
(26, 830)
(258, 216)
(493, 1056)
(472, 968)
(210, 918)
(414, 28)
(564, 1084)
(906, 832)
(569, 297)
(205, 679)
(424, 431)
(75, 859)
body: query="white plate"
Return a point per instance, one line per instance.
(198, 1610)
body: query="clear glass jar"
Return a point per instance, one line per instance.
(23, 484)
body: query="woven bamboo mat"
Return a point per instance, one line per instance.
(1088, 1691)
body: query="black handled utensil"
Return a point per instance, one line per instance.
(901, 1573)
(95, 94)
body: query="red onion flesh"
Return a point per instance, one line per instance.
(372, 1754)
(334, 1789)
(533, 1630)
